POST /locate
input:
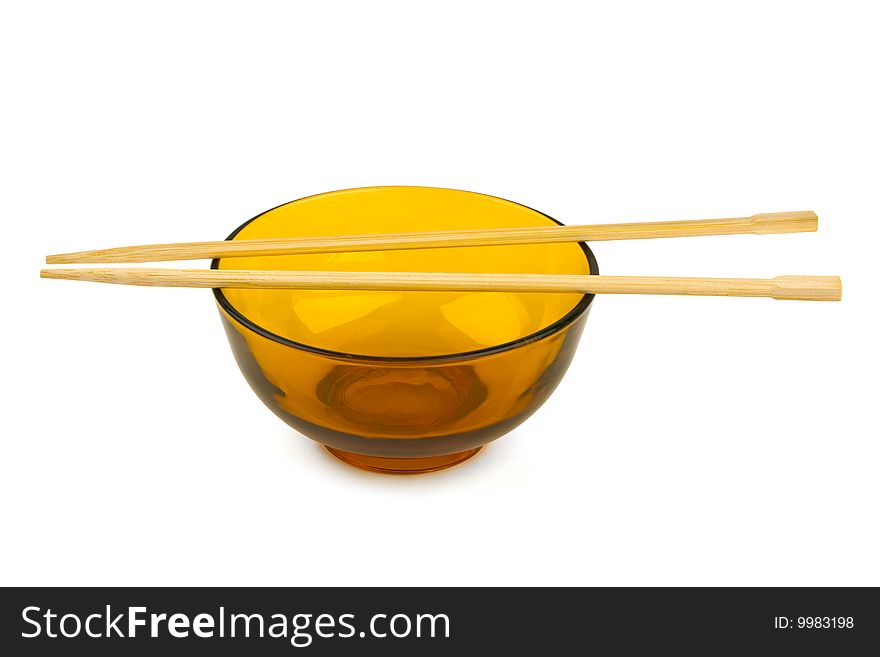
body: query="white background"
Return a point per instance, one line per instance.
(693, 441)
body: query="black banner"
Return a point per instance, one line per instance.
(437, 621)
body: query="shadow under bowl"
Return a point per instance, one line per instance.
(404, 382)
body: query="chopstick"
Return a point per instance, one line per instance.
(807, 288)
(774, 222)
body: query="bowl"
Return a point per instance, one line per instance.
(404, 381)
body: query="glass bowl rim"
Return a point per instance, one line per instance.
(579, 309)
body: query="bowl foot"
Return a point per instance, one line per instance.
(404, 466)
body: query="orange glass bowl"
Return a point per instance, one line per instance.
(404, 382)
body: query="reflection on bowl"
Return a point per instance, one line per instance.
(404, 382)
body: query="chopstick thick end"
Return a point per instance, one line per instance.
(808, 288)
(768, 223)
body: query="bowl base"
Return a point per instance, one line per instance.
(404, 466)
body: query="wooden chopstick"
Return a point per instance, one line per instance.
(775, 222)
(808, 288)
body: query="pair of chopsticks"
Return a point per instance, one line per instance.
(814, 288)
